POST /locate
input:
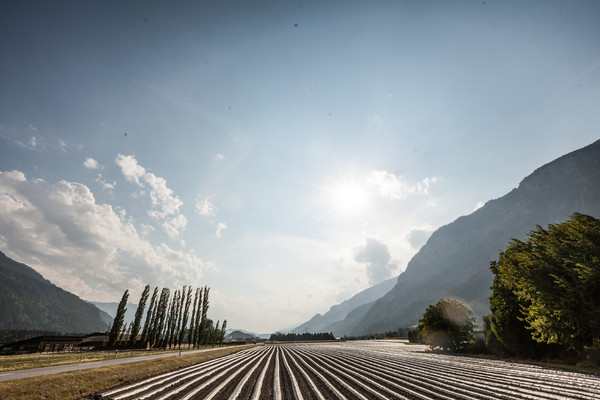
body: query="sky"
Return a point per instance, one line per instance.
(286, 154)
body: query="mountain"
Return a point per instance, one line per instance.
(110, 310)
(332, 320)
(30, 302)
(454, 263)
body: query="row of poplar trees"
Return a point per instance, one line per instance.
(166, 324)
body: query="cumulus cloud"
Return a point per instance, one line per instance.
(219, 157)
(130, 168)
(221, 226)
(478, 205)
(204, 206)
(165, 204)
(90, 163)
(376, 255)
(395, 187)
(87, 248)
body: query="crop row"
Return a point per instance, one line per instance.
(357, 370)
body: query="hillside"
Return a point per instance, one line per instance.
(332, 320)
(30, 302)
(454, 263)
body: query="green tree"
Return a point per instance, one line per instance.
(192, 338)
(223, 332)
(115, 331)
(139, 313)
(184, 319)
(554, 277)
(149, 315)
(448, 325)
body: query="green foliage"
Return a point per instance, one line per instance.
(546, 289)
(139, 313)
(448, 325)
(289, 337)
(115, 331)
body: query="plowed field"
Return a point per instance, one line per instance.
(358, 370)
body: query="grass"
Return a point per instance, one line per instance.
(27, 361)
(83, 384)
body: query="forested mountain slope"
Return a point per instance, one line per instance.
(454, 263)
(30, 302)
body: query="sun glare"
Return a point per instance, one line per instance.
(350, 198)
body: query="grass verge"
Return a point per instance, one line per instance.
(37, 360)
(81, 384)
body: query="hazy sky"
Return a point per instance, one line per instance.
(286, 154)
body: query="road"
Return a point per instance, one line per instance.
(29, 373)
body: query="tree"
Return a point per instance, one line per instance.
(139, 313)
(114, 334)
(149, 315)
(184, 319)
(197, 296)
(223, 332)
(553, 277)
(448, 325)
(202, 336)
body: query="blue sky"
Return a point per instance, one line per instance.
(286, 154)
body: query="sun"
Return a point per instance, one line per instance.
(350, 198)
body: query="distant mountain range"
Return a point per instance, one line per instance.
(30, 302)
(336, 319)
(454, 263)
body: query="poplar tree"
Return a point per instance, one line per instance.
(149, 315)
(193, 320)
(198, 318)
(161, 314)
(139, 313)
(184, 319)
(203, 328)
(223, 332)
(113, 335)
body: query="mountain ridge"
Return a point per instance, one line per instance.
(31, 302)
(454, 263)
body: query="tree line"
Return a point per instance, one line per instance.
(168, 321)
(290, 337)
(544, 302)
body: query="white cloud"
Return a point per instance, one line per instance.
(130, 168)
(165, 203)
(221, 226)
(478, 205)
(87, 248)
(204, 206)
(392, 186)
(105, 184)
(173, 226)
(376, 255)
(90, 163)
(219, 157)
(162, 197)
(33, 141)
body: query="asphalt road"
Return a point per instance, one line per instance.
(29, 373)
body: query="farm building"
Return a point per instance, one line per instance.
(54, 343)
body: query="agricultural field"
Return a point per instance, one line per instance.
(358, 370)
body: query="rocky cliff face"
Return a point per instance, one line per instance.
(454, 263)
